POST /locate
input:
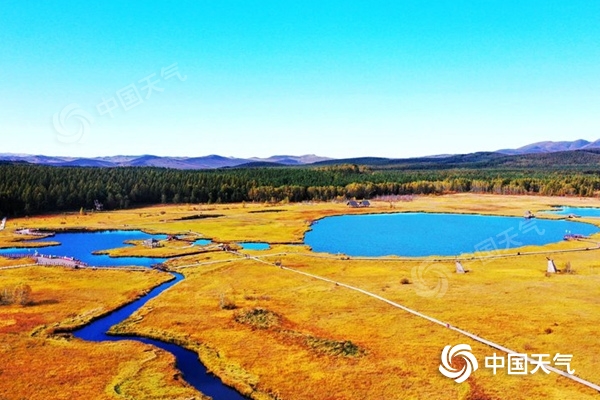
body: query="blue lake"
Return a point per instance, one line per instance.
(82, 245)
(202, 242)
(255, 246)
(581, 211)
(426, 234)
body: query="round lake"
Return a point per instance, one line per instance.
(426, 234)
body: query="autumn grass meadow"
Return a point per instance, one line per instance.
(275, 334)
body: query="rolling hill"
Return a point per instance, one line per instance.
(552, 147)
(205, 162)
(567, 154)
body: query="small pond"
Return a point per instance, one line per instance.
(255, 246)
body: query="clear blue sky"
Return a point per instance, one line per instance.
(337, 78)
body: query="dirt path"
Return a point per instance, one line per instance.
(431, 319)
(18, 266)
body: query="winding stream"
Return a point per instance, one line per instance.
(80, 246)
(187, 361)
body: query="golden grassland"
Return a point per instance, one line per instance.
(38, 365)
(284, 335)
(401, 351)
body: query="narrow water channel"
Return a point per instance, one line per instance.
(194, 372)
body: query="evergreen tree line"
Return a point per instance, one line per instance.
(33, 189)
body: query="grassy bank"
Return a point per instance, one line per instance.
(38, 366)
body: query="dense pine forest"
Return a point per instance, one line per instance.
(31, 189)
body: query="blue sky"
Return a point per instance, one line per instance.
(334, 78)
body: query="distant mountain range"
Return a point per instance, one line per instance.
(499, 157)
(552, 147)
(206, 162)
